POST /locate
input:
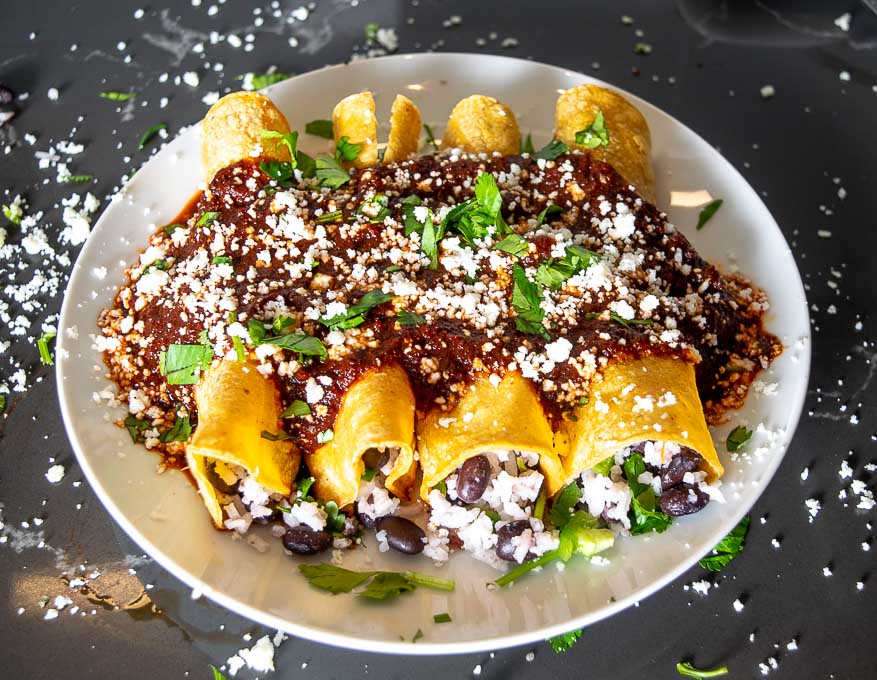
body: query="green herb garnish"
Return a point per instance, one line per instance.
(262, 80)
(171, 228)
(384, 584)
(117, 96)
(604, 467)
(527, 145)
(430, 138)
(562, 643)
(13, 213)
(552, 150)
(406, 318)
(43, 347)
(546, 213)
(296, 409)
(368, 474)
(707, 213)
(375, 208)
(526, 298)
(182, 364)
(275, 437)
(690, 671)
(136, 427)
(180, 432)
(216, 674)
(206, 219)
(149, 134)
(728, 548)
(222, 259)
(737, 438)
(330, 172)
(330, 216)
(77, 179)
(346, 151)
(356, 313)
(643, 515)
(320, 128)
(297, 341)
(513, 244)
(564, 504)
(552, 273)
(371, 31)
(442, 618)
(627, 323)
(595, 135)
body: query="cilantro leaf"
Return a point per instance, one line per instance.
(330, 216)
(279, 171)
(472, 218)
(136, 427)
(406, 318)
(442, 618)
(334, 579)
(552, 273)
(690, 671)
(707, 213)
(12, 213)
(526, 298)
(346, 151)
(216, 674)
(384, 584)
(182, 364)
(430, 138)
(728, 548)
(376, 208)
(634, 465)
(387, 584)
(514, 244)
(548, 212)
(371, 31)
(604, 467)
(263, 80)
(296, 409)
(563, 642)
(115, 96)
(180, 432)
(287, 139)
(595, 135)
(329, 172)
(43, 347)
(206, 219)
(77, 179)
(737, 438)
(643, 516)
(356, 313)
(221, 259)
(320, 128)
(527, 145)
(297, 341)
(552, 150)
(275, 437)
(563, 505)
(149, 134)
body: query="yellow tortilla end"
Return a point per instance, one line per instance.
(505, 417)
(232, 131)
(354, 118)
(236, 404)
(481, 124)
(405, 126)
(653, 398)
(377, 412)
(630, 143)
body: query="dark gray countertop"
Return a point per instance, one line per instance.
(808, 150)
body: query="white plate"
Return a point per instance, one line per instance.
(165, 516)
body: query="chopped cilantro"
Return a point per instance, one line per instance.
(406, 318)
(526, 299)
(376, 208)
(297, 341)
(604, 467)
(442, 618)
(356, 313)
(371, 31)
(179, 432)
(287, 139)
(278, 437)
(384, 584)
(117, 96)
(206, 219)
(368, 474)
(171, 228)
(43, 347)
(330, 172)
(216, 674)
(149, 134)
(513, 244)
(690, 671)
(2, 403)
(595, 135)
(627, 323)
(221, 259)
(552, 273)
(546, 213)
(472, 218)
(552, 150)
(707, 213)
(13, 214)
(527, 145)
(643, 515)
(417, 635)
(296, 409)
(182, 364)
(77, 179)
(263, 80)
(346, 151)
(330, 216)
(737, 438)
(393, 268)
(136, 427)
(728, 548)
(320, 128)
(563, 642)
(564, 504)
(642, 48)
(430, 138)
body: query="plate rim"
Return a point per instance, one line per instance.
(424, 647)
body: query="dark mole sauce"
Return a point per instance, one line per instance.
(456, 348)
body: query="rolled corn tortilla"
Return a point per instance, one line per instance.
(405, 125)
(354, 118)
(630, 143)
(481, 124)
(505, 417)
(232, 130)
(637, 400)
(377, 412)
(236, 404)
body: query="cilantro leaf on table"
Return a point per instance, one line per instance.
(728, 548)
(690, 671)
(216, 674)
(43, 348)
(116, 96)
(149, 134)
(526, 299)
(563, 642)
(356, 313)
(260, 81)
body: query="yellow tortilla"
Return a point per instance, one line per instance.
(354, 118)
(377, 412)
(404, 130)
(507, 417)
(480, 124)
(630, 143)
(236, 404)
(232, 131)
(653, 398)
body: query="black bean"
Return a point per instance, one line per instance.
(7, 96)
(473, 478)
(366, 520)
(687, 460)
(677, 501)
(505, 548)
(402, 534)
(303, 540)
(268, 519)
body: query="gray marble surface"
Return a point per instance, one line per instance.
(808, 150)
